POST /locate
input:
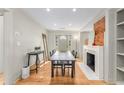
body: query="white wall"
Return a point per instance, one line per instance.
(1, 44)
(25, 34)
(52, 34)
(8, 47)
(90, 25)
(110, 46)
(83, 36)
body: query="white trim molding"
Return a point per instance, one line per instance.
(98, 52)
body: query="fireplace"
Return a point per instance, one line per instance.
(91, 61)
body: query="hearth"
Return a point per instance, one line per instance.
(91, 61)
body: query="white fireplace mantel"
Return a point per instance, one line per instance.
(98, 52)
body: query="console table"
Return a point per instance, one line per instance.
(35, 53)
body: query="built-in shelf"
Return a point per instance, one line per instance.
(120, 46)
(121, 54)
(120, 23)
(120, 9)
(120, 38)
(121, 68)
(120, 83)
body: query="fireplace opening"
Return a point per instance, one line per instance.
(91, 61)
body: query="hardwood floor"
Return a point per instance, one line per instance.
(1, 79)
(43, 77)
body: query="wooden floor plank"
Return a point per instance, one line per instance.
(43, 77)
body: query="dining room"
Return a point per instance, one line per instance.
(61, 46)
(58, 57)
(57, 46)
(62, 64)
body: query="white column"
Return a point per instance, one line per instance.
(1, 44)
(9, 47)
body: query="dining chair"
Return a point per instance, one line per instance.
(57, 65)
(50, 53)
(53, 51)
(68, 65)
(75, 55)
(73, 52)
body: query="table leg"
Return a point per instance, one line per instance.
(63, 68)
(28, 59)
(73, 69)
(36, 63)
(52, 69)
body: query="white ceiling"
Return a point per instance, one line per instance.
(62, 17)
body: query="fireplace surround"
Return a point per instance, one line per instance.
(94, 54)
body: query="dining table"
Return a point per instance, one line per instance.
(63, 57)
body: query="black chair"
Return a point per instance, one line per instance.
(73, 52)
(58, 64)
(75, 55)
(50, 53)
(53, 51)
(68, 65)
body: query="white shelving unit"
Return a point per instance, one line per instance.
(120, 54)
(121, 23)
(120, 46)
(120, 39)
(120, 68)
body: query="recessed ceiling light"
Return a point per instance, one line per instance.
(54, 24)
(69, 24)
(48, 9)
(74, 9)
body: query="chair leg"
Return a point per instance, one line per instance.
(62, 71)
(52, 74)
(68, 71)
(72, 72)
(57, 71)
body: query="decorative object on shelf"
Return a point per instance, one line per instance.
(37, 48)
